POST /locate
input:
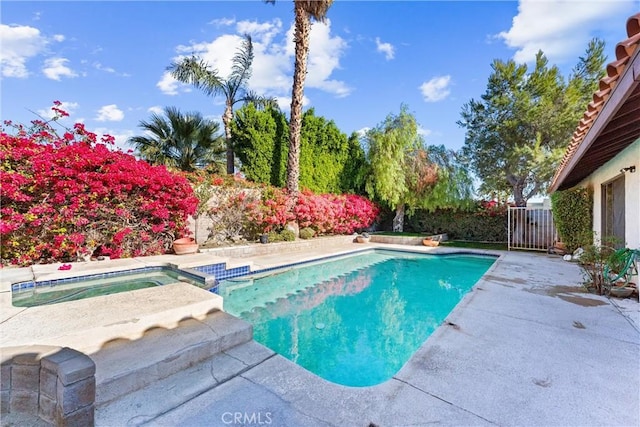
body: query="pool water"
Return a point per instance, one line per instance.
(79, 288)
(354, 321)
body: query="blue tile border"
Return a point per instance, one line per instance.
(206, 281)
(356, 252)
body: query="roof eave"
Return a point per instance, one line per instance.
(621, 91)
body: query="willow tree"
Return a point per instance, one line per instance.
(196, 71)
(406, 174)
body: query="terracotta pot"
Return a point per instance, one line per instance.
(430, 242)
(361, 239)
(185, 245)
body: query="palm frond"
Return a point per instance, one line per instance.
(241, 68)
(195, 71)
(261, 102)
(317, 9)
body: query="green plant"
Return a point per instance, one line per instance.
(595, 260)
(274, 236)
(573, 216)
(307, 233)
(287, 235)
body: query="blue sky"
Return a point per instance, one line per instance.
(106, 61)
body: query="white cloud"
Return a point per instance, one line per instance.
(273, 49)
(363, 132)
(120, 136)
(386, 48)
(156, 109)
(68, 106)
(324, 58)
(170, 86)
(110, 113)
(560, 28)
(19, 44)
(424, 131)
(223, 22)
(58, 37)
(99, 66)
(54, 68)
(436, 89)
(284, 102)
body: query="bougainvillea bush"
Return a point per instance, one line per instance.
(264, 209)
(70, 197)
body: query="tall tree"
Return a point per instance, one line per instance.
(182, 141)
(304, 11)
(195, 71)
(323, 152)
(404, 173)
(260, 142)
(517, 133)
(355, 168)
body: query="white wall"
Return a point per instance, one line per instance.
(608, 171)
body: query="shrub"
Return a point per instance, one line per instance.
(487, 222)
(307, 233)
(274, 236)
(64, 198)
(287, 235)
(228, 214)
(573, 216)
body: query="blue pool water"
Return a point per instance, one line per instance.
(356, 320)
(31, 294)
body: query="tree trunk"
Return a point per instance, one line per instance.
(301, 40)
(517, 184)
(398, 220)
(518, 197)
(226, 121)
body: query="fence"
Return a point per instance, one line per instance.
(531, 229)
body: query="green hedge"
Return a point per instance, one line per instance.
(573, 216)
(460, 225)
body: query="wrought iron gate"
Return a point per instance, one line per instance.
(531, 229)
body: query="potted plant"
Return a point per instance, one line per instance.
(363, 238)
(185, 245)
(431, 241)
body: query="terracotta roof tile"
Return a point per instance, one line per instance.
(624, 50)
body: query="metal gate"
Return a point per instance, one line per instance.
(531, 229)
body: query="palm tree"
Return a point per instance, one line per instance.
(182, 141)
(304, 10)
(197, 72)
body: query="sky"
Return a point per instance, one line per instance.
(106, 61)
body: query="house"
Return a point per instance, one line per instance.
(604, 152)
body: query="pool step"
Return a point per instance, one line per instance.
(224, 270)
(246, 294)
(159, 397)
(124, 366)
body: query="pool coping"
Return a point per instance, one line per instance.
(446, 379)
(441, 382)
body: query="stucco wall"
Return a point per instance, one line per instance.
(608, 171)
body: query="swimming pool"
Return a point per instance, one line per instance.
(355, 320)
(31, 294)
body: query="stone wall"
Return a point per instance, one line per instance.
(404, 240)
(57, 384)
(278, 247)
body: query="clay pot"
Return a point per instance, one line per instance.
(185, 245)
(430, 242)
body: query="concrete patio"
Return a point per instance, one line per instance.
(527, 346)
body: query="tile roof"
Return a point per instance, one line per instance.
(612, 120)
